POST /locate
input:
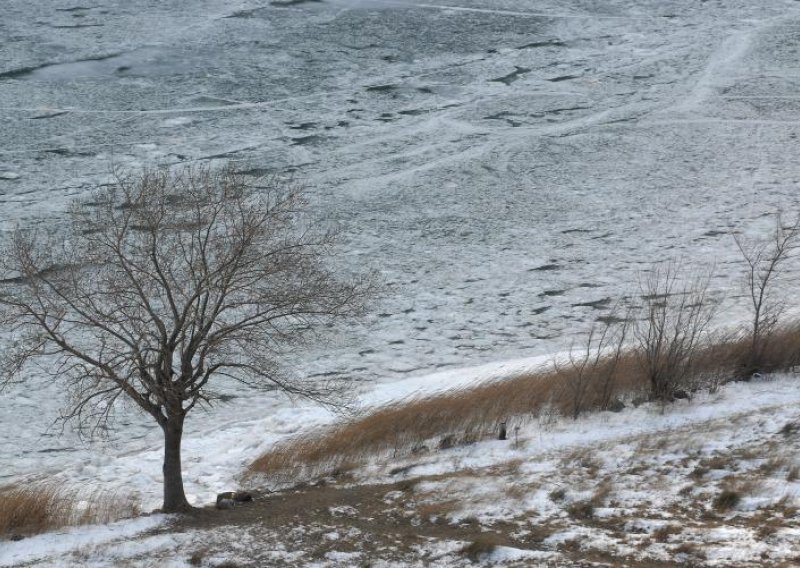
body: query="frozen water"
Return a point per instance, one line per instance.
(509, 167)
(505, 165)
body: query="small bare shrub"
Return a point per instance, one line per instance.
(593, 367)
(517, 492)
(726, 500)
(581, 510)
(674, 327)
(765, 261)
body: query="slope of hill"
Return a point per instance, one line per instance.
(710, 482)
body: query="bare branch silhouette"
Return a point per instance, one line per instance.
(164, 283)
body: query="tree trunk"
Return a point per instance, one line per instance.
(174, 496)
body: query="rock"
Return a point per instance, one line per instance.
(616, 406)
(680, 395)
(224, 504)
(229, 499)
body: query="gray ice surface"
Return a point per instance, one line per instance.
(509, 167)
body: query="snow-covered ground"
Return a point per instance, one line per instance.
(651, 477)
(217, 445)
(509, 167)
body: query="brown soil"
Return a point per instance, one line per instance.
(388, 525)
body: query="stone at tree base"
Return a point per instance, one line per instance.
(229, 499)
(616, 406)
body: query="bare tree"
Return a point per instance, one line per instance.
(613, 344)
(591, 368)
(765, 261)
(166, 282)
(675, 322)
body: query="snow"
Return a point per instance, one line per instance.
(218, 444)
(546, 457)
(503, 554)
(735, 399)
(505, 165)
(671, 134)
(49, 546)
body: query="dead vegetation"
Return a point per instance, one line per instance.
(726, 500)
(416, 426)
(464, 416)
(32, 509)
(578, 507)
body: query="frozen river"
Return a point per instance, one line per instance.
(509, 167)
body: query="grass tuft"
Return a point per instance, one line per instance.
(581, 510)
(36, 508)
(726, 500)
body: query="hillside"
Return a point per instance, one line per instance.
(708, 482)
(513, 170)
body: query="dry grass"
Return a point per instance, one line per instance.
(481, 547)
(662, 534)
(780, 350)
(726, 500)
(689, 549)
(41, 507)
(456, 417)
(463, 416)
(580, 510)
(602, 492)
(773, 465)
(437, 511)
(719, 462)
